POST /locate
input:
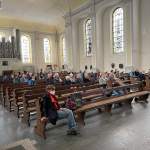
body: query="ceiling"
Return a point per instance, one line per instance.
(49, 12)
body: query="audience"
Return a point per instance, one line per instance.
(68, 77)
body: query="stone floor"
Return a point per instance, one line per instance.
(126, 129)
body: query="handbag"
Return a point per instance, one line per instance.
(74, 101)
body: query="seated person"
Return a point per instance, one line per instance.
(51, 103)
(117, 93)
(79, 77)
(67, 80)
(72, 78)
(50, 79)
(137, 74)
(86, 77)
(16, 79)
(31, 81)
(103, 81)
(57, 78)
(41, 74)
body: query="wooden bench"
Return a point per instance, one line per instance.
(108, 102)
(72, 90)
(9, 93)
(19, 98)
(17, 93)
(29, 106)
(40, 126)
(124, 76)
(7, 89)
(20, 102)
(147, 79)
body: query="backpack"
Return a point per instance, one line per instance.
(70, 104)
(74, 101)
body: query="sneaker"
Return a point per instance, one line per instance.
(72, 132)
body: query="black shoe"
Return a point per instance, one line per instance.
(72, 132)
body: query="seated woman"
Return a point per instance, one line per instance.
(51, 107)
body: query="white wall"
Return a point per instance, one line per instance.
(103, 51)
(84, 60)
(109, 55)
(103, 55)
(37, 51)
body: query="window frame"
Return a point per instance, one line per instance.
(64, 51)
(49, 41)
(86, 39)
(113, 43)
(30, 48)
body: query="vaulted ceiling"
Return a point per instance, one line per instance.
(49, 12)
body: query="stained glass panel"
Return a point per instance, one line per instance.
(118, 31)
(26, 49)
(88, 37)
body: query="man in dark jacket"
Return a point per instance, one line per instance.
(53, 111)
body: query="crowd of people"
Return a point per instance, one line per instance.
(52, 111)
(49, 77)
(65, 77)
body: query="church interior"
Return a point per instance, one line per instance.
(74, 75)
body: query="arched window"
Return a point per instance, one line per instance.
(64, 52)
(26, 49)
(47, 50)
(88, 37)
(118, 30)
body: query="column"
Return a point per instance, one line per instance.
(68, 38)
(94, 46)
(72, 43)
(136, 59)
(75, 46)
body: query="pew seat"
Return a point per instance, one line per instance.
(143, 95)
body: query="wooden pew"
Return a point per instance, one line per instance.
(108, 103)
(64, 87)
(40, 127)
(15, 96)
(8, 88)
(14, 93)
(3, 87)
(124, 76)
(72, 90)
(29, 106)
(147, 79)
(34, 96)
(9, 93)
(19, 98)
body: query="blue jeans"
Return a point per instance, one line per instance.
(68, 114)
